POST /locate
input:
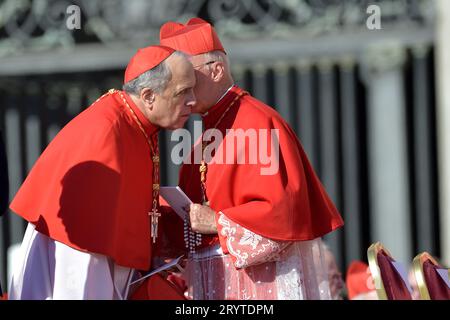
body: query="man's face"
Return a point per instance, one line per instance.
(172, 107)
(202, 66)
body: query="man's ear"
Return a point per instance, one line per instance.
(218, 71)
(148, 97)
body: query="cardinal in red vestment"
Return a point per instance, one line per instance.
(259, 206)
(92, 198)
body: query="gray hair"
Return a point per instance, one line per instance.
(156, 79)
(218, 55)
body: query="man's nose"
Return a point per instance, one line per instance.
(192, 100)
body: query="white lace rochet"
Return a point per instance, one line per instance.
(257, 268)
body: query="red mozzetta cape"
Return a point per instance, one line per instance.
(289, 205)
(91, 188)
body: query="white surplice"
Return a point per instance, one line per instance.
(47, 269)
(257, 268)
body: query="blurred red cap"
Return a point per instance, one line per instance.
(359, 279)
(146, 59)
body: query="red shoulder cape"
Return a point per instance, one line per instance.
(289, 205)
(91, 187)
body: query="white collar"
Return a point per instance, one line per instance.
(206, 113)
(225, 93)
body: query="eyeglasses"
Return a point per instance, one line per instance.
(204, 64)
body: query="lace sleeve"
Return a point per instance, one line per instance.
(245, 247)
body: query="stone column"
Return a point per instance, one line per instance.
(305, 115)
(260, 82)
(329, 146)
(14, 138)
(282, 92)
(238, 71)
(352, 191)
(443, 123)
(424, 183)
(387, 149)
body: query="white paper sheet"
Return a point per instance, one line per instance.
(166, 266)
(444, 275)
(176, 198)
(402, 272)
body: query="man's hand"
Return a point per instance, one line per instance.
(203, 219)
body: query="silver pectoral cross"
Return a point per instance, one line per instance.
(155, 214)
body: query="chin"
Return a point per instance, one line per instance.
(174, 127)
(178, 125)
(199, 109)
